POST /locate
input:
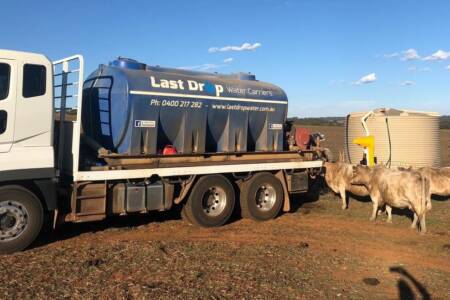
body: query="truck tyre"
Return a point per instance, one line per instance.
(21, 218)
(261, 197)
(211, 201)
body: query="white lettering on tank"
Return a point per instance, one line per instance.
(193, 85)
(153, 82)
(219, 90)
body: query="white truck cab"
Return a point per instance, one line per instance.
(26, 115)
(27, 159)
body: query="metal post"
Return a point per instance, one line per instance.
(62, 113)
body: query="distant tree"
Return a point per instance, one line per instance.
(445, 122)
(322, 121)
(340, 121)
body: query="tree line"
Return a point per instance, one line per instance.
(340, 121)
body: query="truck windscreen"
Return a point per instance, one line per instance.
(5, 71)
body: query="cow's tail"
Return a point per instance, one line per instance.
(426, 196)
(428, 191)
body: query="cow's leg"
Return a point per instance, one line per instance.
(375, 197)
(389, 213)
(374, 210)
(423, 226)
(414, 223)
(343, 197)
(381, 210)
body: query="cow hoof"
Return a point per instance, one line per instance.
(389, 221)
(423, 232)
(344, 207)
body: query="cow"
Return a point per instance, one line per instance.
(338, 177)
(439, 180)
(395, 188)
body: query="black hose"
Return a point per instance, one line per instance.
(389, 162)
(346, 140)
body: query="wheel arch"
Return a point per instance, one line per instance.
(43, 189)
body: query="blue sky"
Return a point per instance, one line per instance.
(331, 57)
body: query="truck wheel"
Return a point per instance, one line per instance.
(21, 218)
(261, 197)
(211, 201)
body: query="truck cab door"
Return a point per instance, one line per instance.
(34, 104)
(8, 78)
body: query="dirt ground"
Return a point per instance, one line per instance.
(317, 251)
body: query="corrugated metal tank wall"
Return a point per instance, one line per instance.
(414, 137)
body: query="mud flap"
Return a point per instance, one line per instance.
(287, 203)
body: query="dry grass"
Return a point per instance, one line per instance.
(316, 252)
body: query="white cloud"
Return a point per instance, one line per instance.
(407, 83)
(410, 54)
(416, 69)
(447, 67)
(243, 47)
(438, 55)
(203, 67)
(391, 55)
(372, 77)
(208, 66)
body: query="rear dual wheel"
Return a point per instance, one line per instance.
(211, 202)
(261, 197)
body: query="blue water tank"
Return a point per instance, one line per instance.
(133, 109)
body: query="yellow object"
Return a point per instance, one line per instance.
(368, 142)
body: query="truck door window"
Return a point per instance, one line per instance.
(34, 80)
(5, 71)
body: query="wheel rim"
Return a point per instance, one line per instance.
(214, 201)
(13, 220)
(266, 197)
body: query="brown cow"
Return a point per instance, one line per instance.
(439, 180)
(338, 177)
(396, 188)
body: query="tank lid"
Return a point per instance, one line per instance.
(128, 63)
(244, 76)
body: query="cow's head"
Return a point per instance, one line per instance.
(361, 175)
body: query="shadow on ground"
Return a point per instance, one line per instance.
(71, 230)
(408, 286)
(440, 198)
